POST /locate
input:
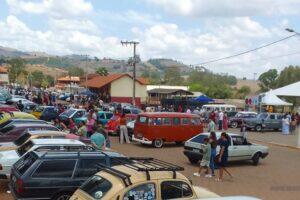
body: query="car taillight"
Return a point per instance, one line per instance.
(20, 188)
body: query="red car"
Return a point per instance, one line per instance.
(113, 124)
(7, 108)
(12, 132)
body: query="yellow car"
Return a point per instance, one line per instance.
(37, 112)
(4, 117)
(140, 179)
(28, 135)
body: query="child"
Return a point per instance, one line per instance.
(205, 159)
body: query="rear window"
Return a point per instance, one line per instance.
(23, 138)
(96, 187)
(55, 169)
(24, 148)
(199, 139)
(23, 164)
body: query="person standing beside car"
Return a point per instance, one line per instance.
(98, 140)
(223, 156)
(123, 129)
(213, 143)
(90, 123)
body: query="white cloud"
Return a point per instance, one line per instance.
(215, 8)
(56, 8)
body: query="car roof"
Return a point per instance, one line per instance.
(140, 176)
(246, 112)
(218, 134)
(56, 142)
(37, 132)
(76, 154)
(167, 114)
(26, 120)
(32, 125)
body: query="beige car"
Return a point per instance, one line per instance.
(28, 135)
(148, 180)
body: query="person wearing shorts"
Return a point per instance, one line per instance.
(205, 159)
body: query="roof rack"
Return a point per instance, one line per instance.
(141, 164)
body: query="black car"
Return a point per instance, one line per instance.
(49, 113)
(56, 175)
(236, 121)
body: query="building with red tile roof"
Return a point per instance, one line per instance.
(3, 75)
(118, 87)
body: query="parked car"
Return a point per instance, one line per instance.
(132, 110)
(137, 180)
(236, 121)
(49, 175)
(71, 113)
(7, 108)
(12, 132)
(103, 117)
(29, 135)
(239, 148)
(4, 117)
(28, 105)
(8, 158)
(265, 121)
(21, 121)
(46, 113)
(158, 128)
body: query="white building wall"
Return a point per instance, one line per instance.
(122, 87)
(151, 87)
(4, 78)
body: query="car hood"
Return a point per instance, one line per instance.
(5, 146)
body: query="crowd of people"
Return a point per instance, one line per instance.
(290, 121)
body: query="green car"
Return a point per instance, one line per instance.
(103, 117)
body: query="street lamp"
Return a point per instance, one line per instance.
(292, 31)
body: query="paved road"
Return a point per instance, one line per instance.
(277, 177)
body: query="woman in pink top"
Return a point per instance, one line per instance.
(225, 121)
(90, 125)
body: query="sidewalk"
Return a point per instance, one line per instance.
(276, 138)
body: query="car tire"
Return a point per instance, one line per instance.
(258, 128)
(255, 158)
(193, 160)
(234, 124)
(63, 196)
(158, 143)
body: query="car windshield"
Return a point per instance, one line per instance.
(96, 187)
(199, 139)
(24, 148)
(262, 116)
(23, 138)
(25, 162)
(68, 113)
(7, 129)
(39, 109)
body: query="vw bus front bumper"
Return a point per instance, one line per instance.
(142, 140)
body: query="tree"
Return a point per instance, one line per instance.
(37, 78)
(268, 80)
(243, 91)
(173, 77)
(288, 75)
(102, 71)
(17, 67)
(75, 71)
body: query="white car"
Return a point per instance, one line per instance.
(239, 148)
(8, 158)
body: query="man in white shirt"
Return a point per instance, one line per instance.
(221, 117)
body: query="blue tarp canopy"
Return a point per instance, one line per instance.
(203, 99)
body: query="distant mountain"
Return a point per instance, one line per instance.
(9, 52)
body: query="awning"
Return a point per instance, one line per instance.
(292, 90)
(203, 99)
(271, 99)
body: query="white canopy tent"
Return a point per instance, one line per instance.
(271, 99)
(292, 90)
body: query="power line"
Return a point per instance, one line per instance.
(248, 51)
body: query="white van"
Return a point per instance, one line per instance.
(218, 107)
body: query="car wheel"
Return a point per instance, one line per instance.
(256, 158)
(234, 124)
(63, 196)
(258, 128)
(193, 160)
(158, 143)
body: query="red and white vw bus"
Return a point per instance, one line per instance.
(156, 128)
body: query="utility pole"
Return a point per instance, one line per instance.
(86, 76)
(254, 76)
(134, 43)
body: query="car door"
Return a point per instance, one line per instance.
(239, 149)
(50, 177)
(273, 121)
(278, 124)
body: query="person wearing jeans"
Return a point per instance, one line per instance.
(123, 130)
(213, 143)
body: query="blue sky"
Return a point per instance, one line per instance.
(191, 31)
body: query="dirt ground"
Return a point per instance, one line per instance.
(276, 177)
